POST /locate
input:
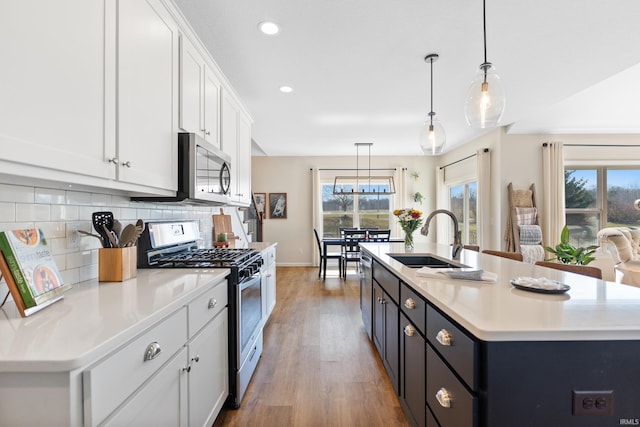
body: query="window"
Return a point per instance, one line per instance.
(353, 210)
(463, 204)
(599, 197)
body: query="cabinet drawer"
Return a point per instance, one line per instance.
(461, 409)
(413, 306)
(460, 352)
(388, 282)
(206, 307)
(108, 383)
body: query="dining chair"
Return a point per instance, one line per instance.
(378, 235)
(350, 248)
(573, 268)
(511, 255)
(327, 256)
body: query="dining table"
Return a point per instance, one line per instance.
(339, 241)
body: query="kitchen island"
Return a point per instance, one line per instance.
(152, 349)
(472, 353)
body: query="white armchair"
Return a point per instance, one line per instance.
(623, 244)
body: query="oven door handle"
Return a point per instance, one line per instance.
(247, 282)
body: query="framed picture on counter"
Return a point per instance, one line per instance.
(278, 205)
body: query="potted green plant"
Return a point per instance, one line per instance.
(568, 254)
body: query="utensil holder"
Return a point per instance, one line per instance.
(117, 264)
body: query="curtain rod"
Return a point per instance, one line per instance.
(544, 144)
(353, 169)
(485, 150)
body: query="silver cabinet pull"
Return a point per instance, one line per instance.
(444, 398)
(410, 303)
(444, 337)
(126, 164)
(212, 303)
(152, 351)
(208, 133)
(114, 160)
(195, 359)
(409, 330)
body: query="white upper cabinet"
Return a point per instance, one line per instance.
(95, 92)
(212, 89)
(236, 142)
(191, 88)
(52, 93)
(243, 164)
(147, 87)
(199, 94)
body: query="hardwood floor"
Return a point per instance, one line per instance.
(318, 367)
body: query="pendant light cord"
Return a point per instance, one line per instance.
(431, 115)
(484, 29)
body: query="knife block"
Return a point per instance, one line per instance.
(117, 264)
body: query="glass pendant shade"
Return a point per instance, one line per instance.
(485, 99)
(432, 137)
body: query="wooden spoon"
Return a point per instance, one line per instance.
(128, 235)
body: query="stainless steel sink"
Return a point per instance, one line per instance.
(425, 260)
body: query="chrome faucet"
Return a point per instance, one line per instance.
(457, 235)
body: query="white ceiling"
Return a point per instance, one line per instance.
(358, 72)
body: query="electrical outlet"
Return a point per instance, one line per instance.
(73, 237)
(593, 403)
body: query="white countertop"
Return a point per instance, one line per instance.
(95, 317)
(261, 246)
(591, 310)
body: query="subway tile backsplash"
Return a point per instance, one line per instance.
(59, 213)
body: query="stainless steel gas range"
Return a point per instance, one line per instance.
(174, 244)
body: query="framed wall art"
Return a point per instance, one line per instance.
(278, 205)
(259, 199)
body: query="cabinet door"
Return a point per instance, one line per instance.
(54, 104)
(191, 93)
(271, 288)
(211, 126)
(209, 373)
(229, 138)
(160, 402)
(412, 370)
(243, 168)
(385, 333)
(147, 88)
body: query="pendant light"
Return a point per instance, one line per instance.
(432, 136)
(485, 98)
(364, 185)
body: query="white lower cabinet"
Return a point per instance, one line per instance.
(269, 281)
(162, 401)
(175, 373)
(209, 371)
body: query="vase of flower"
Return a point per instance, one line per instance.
(408, 240)
(410, 220)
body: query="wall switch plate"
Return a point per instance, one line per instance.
(593, 403)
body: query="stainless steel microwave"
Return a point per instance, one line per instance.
(204, 173)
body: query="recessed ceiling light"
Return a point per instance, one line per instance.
(286, 89)
(269, 28)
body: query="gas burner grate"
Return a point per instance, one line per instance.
(205, 258)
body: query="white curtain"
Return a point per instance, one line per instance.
(442, 202)
(552, 219)
(316, 211)
(400, 198)
(483, 214)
